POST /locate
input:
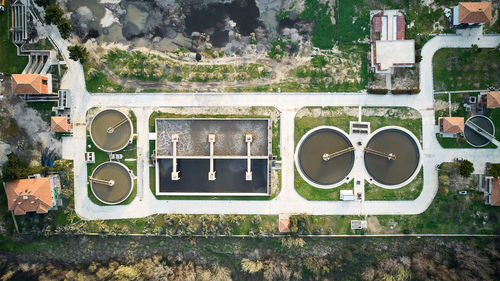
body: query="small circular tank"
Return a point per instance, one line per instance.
(324, 156)
(391, 156)
(479, 123)
(111, 182)
(111, 130)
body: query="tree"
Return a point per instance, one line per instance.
(78, 52)
(466, 168)
(14, 169)
(65, 28)
(494, 170)
(53, 14)
(42, 3)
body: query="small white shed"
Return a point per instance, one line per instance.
(347, 195)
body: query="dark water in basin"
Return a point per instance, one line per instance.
(211, 17)
(472, 136)
(311, 157)
(120, 190)
(110, 141)
(392, 172)
(230, 176)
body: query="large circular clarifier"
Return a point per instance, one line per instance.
(111, 182)
(111, 130)
(311, 151)
(391, 156)
(476, 124)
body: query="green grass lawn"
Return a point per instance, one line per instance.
(329, 116)
(10, 63)
(449, 213)
(454, 143)
(98, 82)
(44, 108)
(465, 69)
(408, 192)
(312, 193)
(395, 117)
(494, 115)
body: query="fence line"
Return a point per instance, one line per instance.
(418, 235)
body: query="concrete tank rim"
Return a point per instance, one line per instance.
(131, 183)
(131, 130)
(415, 172)
(302, 173)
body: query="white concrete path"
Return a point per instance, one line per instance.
(288, 201)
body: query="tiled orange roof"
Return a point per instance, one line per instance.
(474, 12)
(60, 124)
(495, 192)
(29, 195)
(284, 225)
(29, 84)
(453, 125)
(493, 100)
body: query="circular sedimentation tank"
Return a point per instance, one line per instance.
(111, 130)
(403, 148)
(483, 123)
(311, 151)
(111, 182)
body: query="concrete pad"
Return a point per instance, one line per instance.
(394, 53)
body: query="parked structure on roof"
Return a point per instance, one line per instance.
(450, 127)
(389, 47)
(34, 194)
(471, 13)
(31, 84)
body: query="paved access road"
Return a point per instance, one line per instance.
(288, 201)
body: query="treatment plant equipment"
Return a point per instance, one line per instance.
(111, 182)
(324, 157)
(479, 131)
(111, 130)
(392, 156)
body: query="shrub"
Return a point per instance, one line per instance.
(78, 52)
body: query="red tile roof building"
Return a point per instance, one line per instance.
(493, 100)
(31, 195)
(60, 124)
(400, 28)
(377, 24)
(31, 84)
(451, 125)
(474, 12)
(284, 223)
